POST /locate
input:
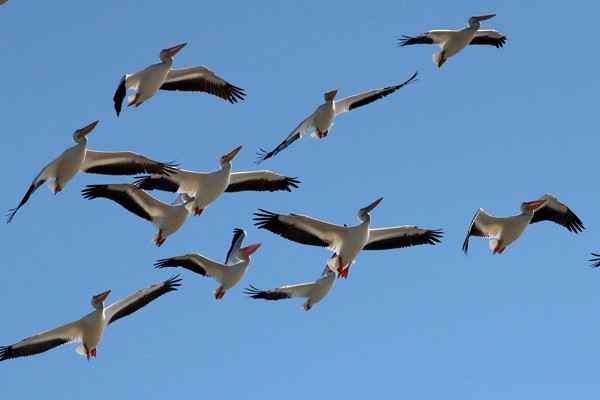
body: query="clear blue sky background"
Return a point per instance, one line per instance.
(491, 128)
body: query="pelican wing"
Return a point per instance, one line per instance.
(44, 176)
(401, 236)
(236, 243)
(490, 37)
(301, 229)
(129, 197)
(196, 263)
(120, 94)
(180, 181)
(260, 181)
(44, 341)
(123, 163)
(202, 79)
(596, 261)
(139, 299)
(555, 211)
(359, 100)
(284, 292)
(305, 126)
(437, 38)
(483, 225)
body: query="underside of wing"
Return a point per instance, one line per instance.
(555, 211)
(437, 38)
(123, 163)
(304, 127)
(129, 197)
(284, 292)
(140, 299)
(196, 263)
(359, 100)
(202, 79)
(489, 37)
(300, 229)
(260, 181)
(483, 225)
(401, 236)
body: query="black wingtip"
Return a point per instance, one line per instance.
(120, 96)
(596, 260)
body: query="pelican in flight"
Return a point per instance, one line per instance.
(506, 230)
(228, 274)
(90, 328)
(345, 241)
(80, 158)
(167, 218)
(206, 187)
(322, 119)
(160, 76)
(314, 292)
(452, 42)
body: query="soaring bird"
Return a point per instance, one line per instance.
(345, 241)
(322, 119)
(80, 158)
(228, 274)
(314, 292)
(206, 187)
(167, 218)
(506, 230)
(160, 76)
(452, 42)
(90, 328)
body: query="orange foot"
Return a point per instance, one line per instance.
(343, 273)
(135, 102)
(499, 250)
(160, 240)
(220, 293)
(198, 211)
(307, 307)
(442, 60)
(322, 134)
(93, 352)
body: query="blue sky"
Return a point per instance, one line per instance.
(491, 128)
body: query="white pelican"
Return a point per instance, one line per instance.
(90, 328)
(345, 241)
(167, 218)
(322, 119)
(452, 42)
(160, 76)
(79, 158)
(314, 292)
(205, 188)
(596, 261)
(228, 274)
(506, 230)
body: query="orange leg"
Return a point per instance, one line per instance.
(160, 240)
(219, 294)
(134, 101)
(93, 352)
(442, 59)
(87, 351)
(198, 211)
(322, 134)
(307, 307)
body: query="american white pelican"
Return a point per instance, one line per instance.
(345, 241)
(596, 261)
(160, 76)
(90, 328)
(228, 274)
(205, 188)
(79, 158)
(314, 292)
(452, 42)
(506, 230)
(322, 119)
(167, 218)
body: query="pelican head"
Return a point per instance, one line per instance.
(98, 300)
(363, 213)
(329, 96)
(229, 156)
(529, 206)
(245, 252)
(474, 22)
(167, 54)
(81, 133)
